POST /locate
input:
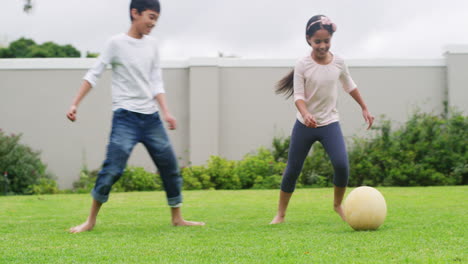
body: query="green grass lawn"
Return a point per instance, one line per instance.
(423, 225)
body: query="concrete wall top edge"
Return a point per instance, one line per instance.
(457, 49)
(86, 63)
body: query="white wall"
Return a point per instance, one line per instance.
(224, 106)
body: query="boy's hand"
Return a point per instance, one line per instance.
(71, 114)
(309, 120)
(368, 118)
(171, 121)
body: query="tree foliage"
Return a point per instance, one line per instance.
(27, 48)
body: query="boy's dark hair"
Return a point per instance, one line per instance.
(142, 5)
(286, 84)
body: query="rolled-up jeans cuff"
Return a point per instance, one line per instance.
(99, 197)
(175, 202)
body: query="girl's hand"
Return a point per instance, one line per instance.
(368, 118)
(71, 114)
(171, 121)
(309, 120)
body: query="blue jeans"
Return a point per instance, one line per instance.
(302, 139)
(128, 129)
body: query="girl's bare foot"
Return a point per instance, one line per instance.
(187, 223)
(277, 220)
(86, 226)
(339, 210)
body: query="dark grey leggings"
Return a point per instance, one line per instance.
(302, 139)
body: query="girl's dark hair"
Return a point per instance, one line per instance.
(142, 5)
(310, 30)
(286, 84)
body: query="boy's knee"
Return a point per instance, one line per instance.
(118, 152)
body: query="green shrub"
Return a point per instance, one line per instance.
(25, 171)
(460, 173)
(254, 165)
(133, 179)
(280, 149)
(222, 173)
(196, 178)
(317, 169)
(44, 186)
(86, 181)
(27, 48)
(138, 179)
(270, 182)
(427, 150)
(91, 54)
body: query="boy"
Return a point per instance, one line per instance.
(136, 86)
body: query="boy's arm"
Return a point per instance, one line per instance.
(92, 76)
(171, 121)
(84, 89)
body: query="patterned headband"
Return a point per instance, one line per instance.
(324, 21)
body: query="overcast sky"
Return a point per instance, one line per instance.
(250, 28)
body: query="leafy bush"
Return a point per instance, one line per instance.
(222, 173)
(138, 179)
(262, 164)
(197, 178)
(86, 181)
(133, 179)
(91, 54)
(26, 173)
(280, 149)
(27, 48)
(426, 150)
(317, 169)
(270, 182)
(44, 186)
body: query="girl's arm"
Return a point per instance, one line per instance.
(309, 119)
(299, 95)
(84, 89)
(161, 98)
(365, 113)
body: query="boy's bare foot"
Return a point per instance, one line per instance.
(86, 226)
(187, 223)
(339, 210)
(277, 220)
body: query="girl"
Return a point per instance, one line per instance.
(314, 85)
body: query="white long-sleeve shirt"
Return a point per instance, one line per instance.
(136, 74)
(317, 85)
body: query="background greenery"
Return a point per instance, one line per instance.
(27, 48)
(22, 171)
(423, 225)
(427, 150)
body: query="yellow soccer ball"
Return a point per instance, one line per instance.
(365, 208)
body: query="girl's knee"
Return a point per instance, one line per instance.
(341, 167)
(341, 174)
(288, 184)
